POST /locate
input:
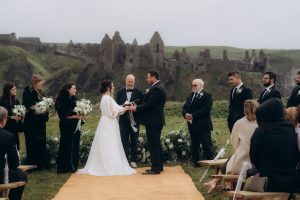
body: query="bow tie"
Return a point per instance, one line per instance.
(129, 90)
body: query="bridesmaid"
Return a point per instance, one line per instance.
(8, 100)
(68, 154)
(35, 124)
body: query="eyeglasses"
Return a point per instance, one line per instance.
(194, 85)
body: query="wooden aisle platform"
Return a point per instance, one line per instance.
(173, 184)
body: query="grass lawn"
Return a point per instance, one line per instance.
(45, 184)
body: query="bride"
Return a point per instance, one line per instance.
(107, 155)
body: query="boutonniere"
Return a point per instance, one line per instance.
(239, 91)
(298, 93)
(201, 94)
(147, 90)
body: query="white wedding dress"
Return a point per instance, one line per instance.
(107, 157)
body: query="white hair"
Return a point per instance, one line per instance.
(3, 113)
(200, 81)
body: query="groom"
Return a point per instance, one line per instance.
(152, 116)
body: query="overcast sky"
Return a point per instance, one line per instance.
(237, 23)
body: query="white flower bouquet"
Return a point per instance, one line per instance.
(19, 110)
(42, 106)
(83, 107)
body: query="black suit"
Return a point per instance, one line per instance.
(124, 123)
(294, 99)
(152, 116)
(272, 93)
(201, 127)
(8, 146)
(236, 104)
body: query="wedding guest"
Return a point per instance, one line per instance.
(152, 116)
(290, 115)
(8, 100)
(129, 94)
(35, 124)
(294, 99)
(238, 95)
(269, 80)
(8, 147)
(273, 148)
(197, 111)
(68, 154)
(241, 134)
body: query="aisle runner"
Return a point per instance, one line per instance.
(173, 184)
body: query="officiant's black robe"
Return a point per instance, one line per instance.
(35, 129)
(68, 154)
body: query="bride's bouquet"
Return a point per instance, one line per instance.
(83, 107)
(42, 106)
(19, 110)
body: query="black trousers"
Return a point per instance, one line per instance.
(35, 136)
(16, 175)
(202, 138)
(126, 133)
(153, 133)
(68, 153)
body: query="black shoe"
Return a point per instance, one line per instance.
(147, 170)
(150, 172)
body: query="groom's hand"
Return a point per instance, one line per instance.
(133, 108)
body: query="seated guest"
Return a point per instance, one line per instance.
(8, 146)
(290, 114)
(240, 139)
(273, 149)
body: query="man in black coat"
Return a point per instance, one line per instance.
(8, 147)
(196, 111)
(129, 94)
(152, 116)
(270, 91)
(294, 99)
(238, 95)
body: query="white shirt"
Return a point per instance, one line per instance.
(236, 89)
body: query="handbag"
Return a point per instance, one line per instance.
(256, 184)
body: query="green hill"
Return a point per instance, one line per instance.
(17, 65)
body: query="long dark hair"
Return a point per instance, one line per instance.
(6, 98)
(105, 84)
(63, 94)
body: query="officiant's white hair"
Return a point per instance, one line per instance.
(200, 81)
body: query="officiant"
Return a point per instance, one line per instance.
(197, 111)
(129, 128)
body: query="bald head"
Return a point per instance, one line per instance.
(197, 85)
(129, 81)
